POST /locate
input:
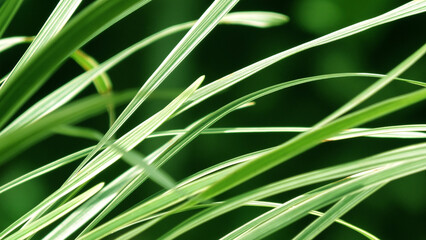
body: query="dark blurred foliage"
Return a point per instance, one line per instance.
(395, 212)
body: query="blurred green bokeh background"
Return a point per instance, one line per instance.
(397, 211)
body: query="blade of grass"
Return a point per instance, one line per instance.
(399, 131)
(102, 83)
(55, 214)
(335, 212)
(9, 42)
(81, 132)
(84, 26)
(7, 11)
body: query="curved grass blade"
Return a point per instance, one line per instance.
(56, 21)
(259, 19)
(87, 24)
(408, 9)
(65, 93)
(102, 83)
(7, 11)
(278, 218)
(55, 214)
(81, 132)
(400, 131)
(397, 156)
(7, 43)
(45, 169)
(21, 138)
(335, 212)
(210, 18)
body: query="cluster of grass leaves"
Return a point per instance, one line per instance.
(74, 211)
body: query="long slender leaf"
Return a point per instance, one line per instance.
(401, 131)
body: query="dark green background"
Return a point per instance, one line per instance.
(395, 212)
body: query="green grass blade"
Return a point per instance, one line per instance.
(7, 11)
(80, 132)
(259, 19)
(55, 214)
(66, 92)
(45, 169)
(56, 21)
(278, 218)
(335, 212)
(102, 83)
(87, 24)
(408, 9)
(19, 139)
(401, 155)
(196, 34)
(156, 174)
(400, 131)
(7, 43)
